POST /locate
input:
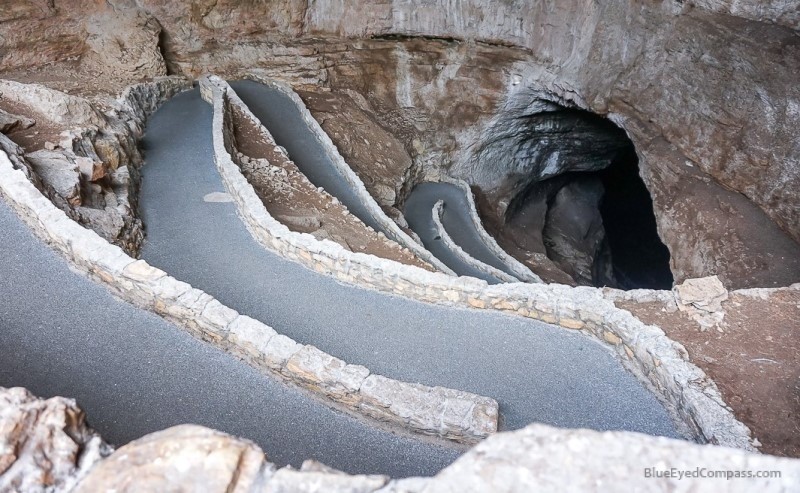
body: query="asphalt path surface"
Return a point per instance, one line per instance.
(456, 220)
(281, 116)
(537, 372)
(134, 373)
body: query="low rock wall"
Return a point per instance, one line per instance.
(517, 268)
(436, 213)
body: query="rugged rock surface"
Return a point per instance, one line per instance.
(183, 458)
(715, 136)
(9, 122)
(375, 154)
(574, 235)
(84, 151)
(45, 445)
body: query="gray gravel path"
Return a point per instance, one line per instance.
(134, 373)
(537, 372)
(418, 211)
(281, 116)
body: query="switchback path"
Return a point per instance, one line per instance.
(134, 374)
(536, 372)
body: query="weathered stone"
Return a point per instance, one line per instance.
(570, 323)
(706, 294)
(218, 316)
(331, 375)
(90, 169)
(58, 171)
(289, 480)
(185, 458)
(541, 458)
(611, 338)
(278, 351)
(9, 122)
(438, 411)
(141, 271)
(45, 445)
(249, 337)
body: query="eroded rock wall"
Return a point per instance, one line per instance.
(706, 89)
(46, 445)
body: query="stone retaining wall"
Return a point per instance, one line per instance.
(436, 212)
(659, 362)
(451, 414)
(388, 226)
(517, 268)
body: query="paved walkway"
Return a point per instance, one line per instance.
(457, 223)
(133, 373)
(537, 372)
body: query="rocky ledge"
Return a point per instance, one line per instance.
(46, 445)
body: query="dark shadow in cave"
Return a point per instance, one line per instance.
(639, 257)
(593, 216)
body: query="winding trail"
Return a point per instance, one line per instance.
(458, 225)
(537, 372)
(280, 115)
(134, 373)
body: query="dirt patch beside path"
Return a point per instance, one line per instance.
(754, 358)
(294, 201)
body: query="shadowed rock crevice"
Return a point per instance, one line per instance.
(572, 204)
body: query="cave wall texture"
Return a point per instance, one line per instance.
(707, 90)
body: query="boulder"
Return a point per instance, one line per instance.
(10, 122)
(45, 445)
(59, 171)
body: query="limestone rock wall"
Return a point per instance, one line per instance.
(715, 134)
(46, 446)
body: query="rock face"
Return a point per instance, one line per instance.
(715, 136)
(366, 146)
(58, 171)
(124, 45)
(189, 458)
(9, 122)
(539, 458)
(86, 166)
(45, 445)
(574, 235)
(534, 193)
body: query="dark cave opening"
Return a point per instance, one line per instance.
(639, 257)
(585, 205)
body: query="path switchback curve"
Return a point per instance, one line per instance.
(538, 373)
(134, 373)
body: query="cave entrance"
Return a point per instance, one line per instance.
(583, 204)
(639, 258)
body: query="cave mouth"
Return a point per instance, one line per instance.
(584, 203)
(639, 258)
